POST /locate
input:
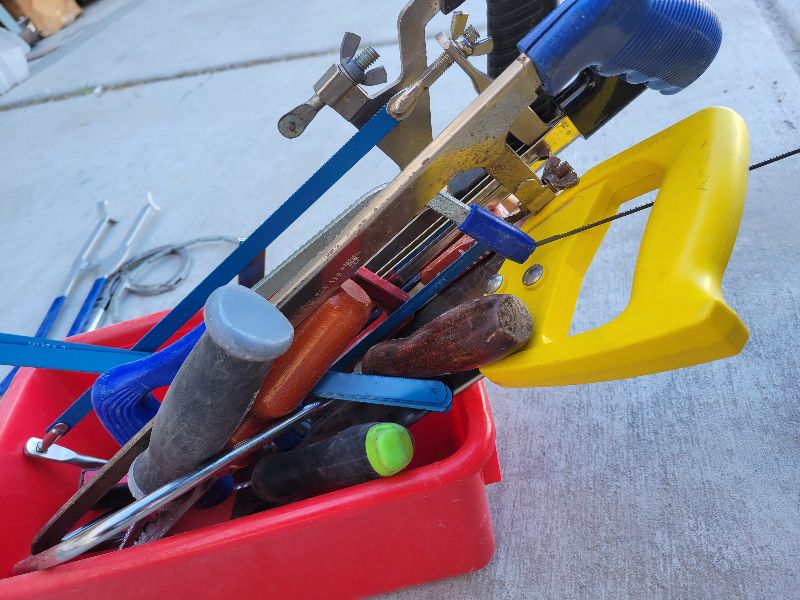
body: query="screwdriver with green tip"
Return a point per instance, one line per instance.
(355, 455)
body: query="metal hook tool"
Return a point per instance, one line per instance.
(108, 266)
(59, 454)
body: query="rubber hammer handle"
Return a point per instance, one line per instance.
(665, 44)
(214, 386)
(468, 336)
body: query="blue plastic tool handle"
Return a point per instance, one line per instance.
(665, 44)
(44, 328)
(79, 324)
(286, 214)
(7, 380)
(416, 394)
(123, 404)
(121, 396)
(493, 232)
(460, 266)
(50, 318)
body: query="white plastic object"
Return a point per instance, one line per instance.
(13, 63)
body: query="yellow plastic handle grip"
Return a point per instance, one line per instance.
(676, 315)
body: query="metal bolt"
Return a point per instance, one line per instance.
(366, 57)
(356, 64)
(335, 85)
(471, 34)
(532, 275)
(494, 283)
(462, 41)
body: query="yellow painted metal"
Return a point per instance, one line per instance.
(676, 315)
(559, 137)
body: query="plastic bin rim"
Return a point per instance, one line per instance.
(466, 462)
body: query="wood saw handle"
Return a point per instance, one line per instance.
(466, 337)
(318, 342)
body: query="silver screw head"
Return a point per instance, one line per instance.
(494, 283)
(532, 275)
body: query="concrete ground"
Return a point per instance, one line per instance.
(681, 484)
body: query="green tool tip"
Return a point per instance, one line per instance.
(389, 448)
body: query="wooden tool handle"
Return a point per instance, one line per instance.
(468, 336)
(318, 342)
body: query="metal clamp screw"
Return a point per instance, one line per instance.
(337, 85)
(462, 42)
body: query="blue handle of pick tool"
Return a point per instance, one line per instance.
(79, 324)
(414, 394)
(665, 44)
(286, 214)
(44, 328)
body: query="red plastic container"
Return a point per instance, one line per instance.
(430, 522)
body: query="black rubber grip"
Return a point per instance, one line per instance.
(449, 6)
(509, 21)
(336, 462)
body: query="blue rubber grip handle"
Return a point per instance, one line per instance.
(44, 328)
(493, 232)
(665, 44)
(121, 396)
(79, 324)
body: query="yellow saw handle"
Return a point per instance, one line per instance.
(676, 315)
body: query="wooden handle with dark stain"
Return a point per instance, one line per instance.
(318, 342)
(468, 336)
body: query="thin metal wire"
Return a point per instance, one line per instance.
(625, 213)
(769, 161)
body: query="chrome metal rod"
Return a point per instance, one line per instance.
(82, 263)
(59, 454)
